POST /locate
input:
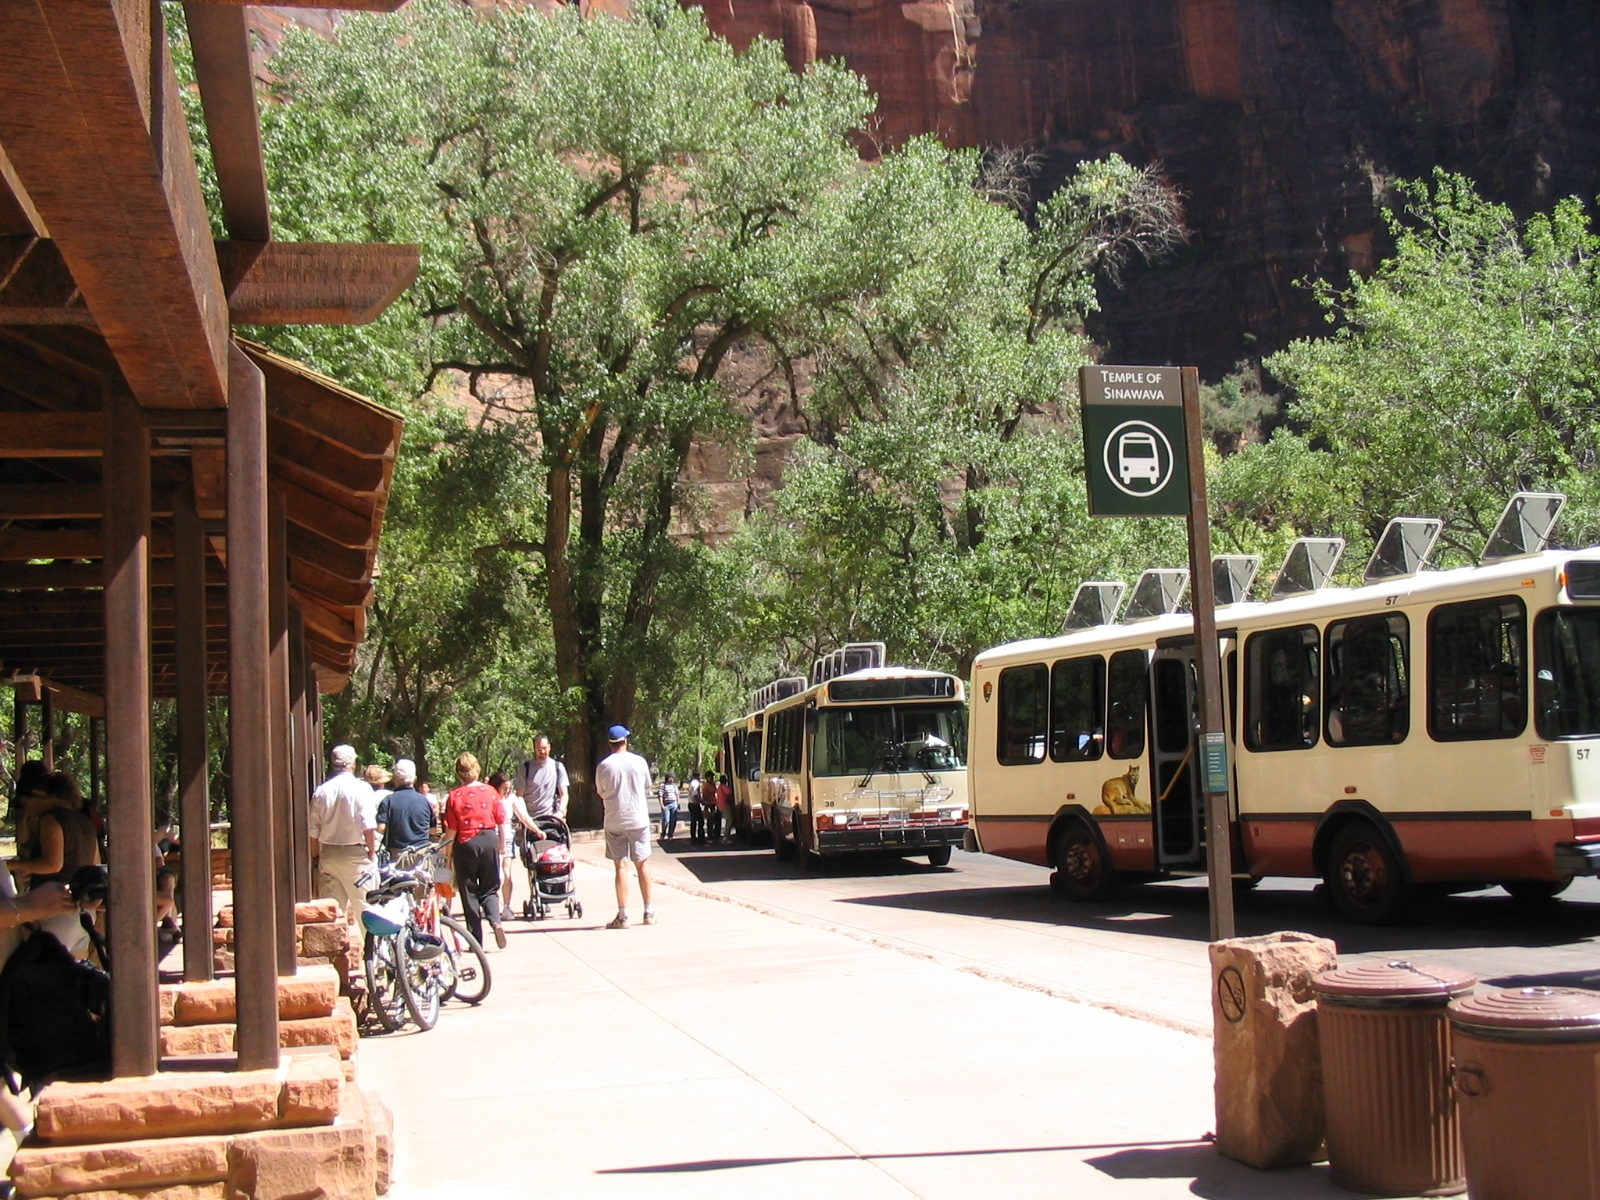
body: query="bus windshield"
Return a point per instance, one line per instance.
(1567, 673)
(889, 738)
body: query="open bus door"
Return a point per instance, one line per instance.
(1178, 806)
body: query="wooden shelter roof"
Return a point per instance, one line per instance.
(111, 278)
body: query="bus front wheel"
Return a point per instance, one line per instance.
(939, 856)
(1082, 870)
(1535, 891)
(1364, 876)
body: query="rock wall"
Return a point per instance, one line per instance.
(1284, 122)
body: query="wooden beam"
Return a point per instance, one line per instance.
(91, 120)
(222, 67)
(278, 709)
(249, 719)
(39, 576)
(314, 283)
(312, 581)
(66, 502)
(334, 522)
(36, 288)
(51, 435)
(131, 904)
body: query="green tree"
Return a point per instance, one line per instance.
(943, 509)
(1466, 367)
(607, 207)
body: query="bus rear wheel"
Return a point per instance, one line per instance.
(1082, 870)
(1364, 876)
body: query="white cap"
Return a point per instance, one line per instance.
(343, 757)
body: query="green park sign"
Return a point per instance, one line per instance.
(1134, 447)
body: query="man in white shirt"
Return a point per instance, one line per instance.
(623, 780)
(344, 834)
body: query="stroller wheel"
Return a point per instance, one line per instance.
(575, 909)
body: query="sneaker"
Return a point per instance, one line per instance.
(618, 922)
(500, 936)
(649, 918)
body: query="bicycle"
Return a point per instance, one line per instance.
(405, 965)
(466, 971)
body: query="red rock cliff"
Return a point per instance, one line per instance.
(1283, 121)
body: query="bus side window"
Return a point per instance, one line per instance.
(1233, 695)
(1024, 702)
(1283, 689)
(1477, 670)
(1368, 685)
(1077, 709)
(1129, 688)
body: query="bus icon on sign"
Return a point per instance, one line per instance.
(1138, 458)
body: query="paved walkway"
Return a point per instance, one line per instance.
(727, 1049)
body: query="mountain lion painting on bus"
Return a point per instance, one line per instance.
(1119, 795)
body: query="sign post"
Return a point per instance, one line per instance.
(1144, 457)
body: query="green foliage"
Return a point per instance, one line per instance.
(1465, 368)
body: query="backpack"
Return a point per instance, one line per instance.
(55, 1013)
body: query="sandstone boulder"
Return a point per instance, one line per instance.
(170, 1105)
(119, 1166)
(335, 1162)
(314, 912)
(1268, 1064)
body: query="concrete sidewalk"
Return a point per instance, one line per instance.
(726, 1050)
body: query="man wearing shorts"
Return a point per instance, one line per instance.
(623, 780)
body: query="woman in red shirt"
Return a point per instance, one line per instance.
(474, 815)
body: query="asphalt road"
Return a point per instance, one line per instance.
(1144, 952)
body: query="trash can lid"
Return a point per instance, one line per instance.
(1395, 982)
(1559, 1013)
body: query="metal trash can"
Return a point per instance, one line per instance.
(1527, 1073)
(1392, 1122)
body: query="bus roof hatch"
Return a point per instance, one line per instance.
(778, 689)
(1403, 549)
(1308, 566)
(1157, 593)
(1525, 526)
(1093, 604)
(1233, 575)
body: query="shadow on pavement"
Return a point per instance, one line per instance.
(729, 864)
(1165, 910)
(736, 1164)
(1213, 1175)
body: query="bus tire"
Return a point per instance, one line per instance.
(939, 856)
(1364, 876)
(1536, 891)
(785, 847)
(1083, 870)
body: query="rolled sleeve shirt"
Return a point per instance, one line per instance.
(343, 810)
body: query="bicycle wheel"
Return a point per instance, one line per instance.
(421, 986)
(386, 998)
(471, 964)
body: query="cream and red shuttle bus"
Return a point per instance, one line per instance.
(740, 760)
(865, 757)
(1425, 728)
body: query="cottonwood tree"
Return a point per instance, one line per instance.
(607, 207)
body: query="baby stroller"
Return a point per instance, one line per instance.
(549, 862)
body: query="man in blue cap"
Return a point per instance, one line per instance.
(623, 780)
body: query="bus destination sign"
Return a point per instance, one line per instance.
(1134, 446)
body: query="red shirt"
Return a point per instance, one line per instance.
(472, 808)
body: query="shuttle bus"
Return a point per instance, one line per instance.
(865, 757)
(740, 760)
(1424, 728)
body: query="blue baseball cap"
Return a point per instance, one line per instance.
(618, 733)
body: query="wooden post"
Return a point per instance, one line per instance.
(131, 901)
(249, 717)
(278, 643)
(96, 737)
(300, 765)
(194, 793)
(1213, 731)
(47, 728)
(19, 731)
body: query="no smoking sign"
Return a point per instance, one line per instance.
(1133, 441)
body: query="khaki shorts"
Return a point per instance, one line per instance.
(629, 845)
